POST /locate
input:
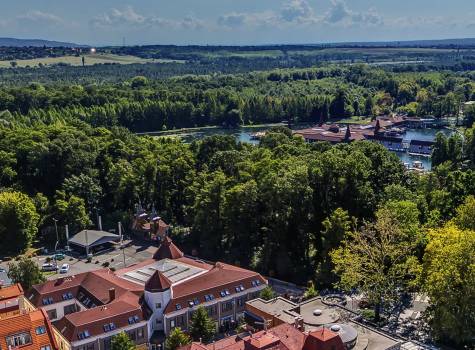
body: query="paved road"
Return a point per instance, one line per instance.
(117, 258)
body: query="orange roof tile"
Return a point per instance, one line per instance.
(28, 322)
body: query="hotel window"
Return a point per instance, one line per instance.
(52, 314)
(140, 332)
(241, 301)
(69, 309)
(227, 306)
(90, 346)
(172, 323)
(19, 339)
(40, 330)
(158, 305)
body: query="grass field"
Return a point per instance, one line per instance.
(90, 59)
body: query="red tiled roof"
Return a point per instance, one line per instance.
(157, 283)
(167, 250)
(284, 336)
(93, 320)
(95, 283)
(10, 292)
(28, 322)
(323, 339)
(219, 278)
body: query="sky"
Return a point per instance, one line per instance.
(236, 22)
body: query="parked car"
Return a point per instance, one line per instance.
(64, 268)
(58, 256)
(49, 267)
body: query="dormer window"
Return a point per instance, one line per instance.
(48, 301)
(109, 327)
(40, 330)
(178, 306)
(84, 334)
(133, 319)
(67, 296)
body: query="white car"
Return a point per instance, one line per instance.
(64, 268)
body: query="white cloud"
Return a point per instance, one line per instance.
(298, 11)
(256, 19)
(340, 14)
(129, 17)
(40, 17)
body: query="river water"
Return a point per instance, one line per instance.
(244, 133)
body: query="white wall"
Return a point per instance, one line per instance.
(152, 299)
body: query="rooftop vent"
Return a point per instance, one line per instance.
(335, 328)
(317, 312)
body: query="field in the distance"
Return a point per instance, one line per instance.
(90, 59)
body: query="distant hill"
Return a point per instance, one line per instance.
(13, 42)
(464, 42)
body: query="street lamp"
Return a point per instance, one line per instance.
(57, 242)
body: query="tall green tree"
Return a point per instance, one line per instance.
(26, 272)
(122, 341)
(335, 229)
(177, 338)
(465, 216)
(379, 259)
(267, 293)
(202, 326)
(18, 222)
(448, 278)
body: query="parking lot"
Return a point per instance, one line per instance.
(116, 258)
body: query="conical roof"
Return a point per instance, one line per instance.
(157, 283)
(167, 250)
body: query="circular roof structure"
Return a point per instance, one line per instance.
(347, 333)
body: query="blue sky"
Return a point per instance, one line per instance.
(101, 22)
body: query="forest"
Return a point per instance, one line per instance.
(315, 95)
(347, 216)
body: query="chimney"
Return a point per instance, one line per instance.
(99, 223)
(111, 294)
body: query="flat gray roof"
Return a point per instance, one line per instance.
(92, 238)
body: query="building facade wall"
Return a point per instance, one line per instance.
(223, 310)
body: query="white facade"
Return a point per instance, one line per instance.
(157, 302)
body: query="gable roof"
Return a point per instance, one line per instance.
(283, 336)
(90, 238)
(10, 292)
(220, 278)
(167, 250)
(28, 322)
(93, 320)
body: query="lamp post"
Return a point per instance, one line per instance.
(56, 245)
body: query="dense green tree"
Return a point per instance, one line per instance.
(202, 327)
(465, 218)
(176, 339)
(122, 341)
(267, 293)
(26, 272)
(448, 278)
(379, 260)
(18, 222)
